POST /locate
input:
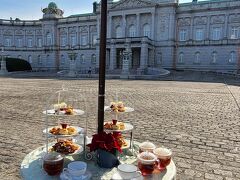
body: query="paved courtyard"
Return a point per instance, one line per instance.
(196, 115)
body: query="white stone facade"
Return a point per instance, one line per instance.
(159, 33)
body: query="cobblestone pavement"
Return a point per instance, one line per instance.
(198, 118)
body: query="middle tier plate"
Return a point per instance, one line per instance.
(77, 131)
(128, 127)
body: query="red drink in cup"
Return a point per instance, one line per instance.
(114, 121)
(164, 156)
(64, 125)
(53, 163)
(146, 163)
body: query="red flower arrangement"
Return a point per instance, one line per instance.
(104, 141)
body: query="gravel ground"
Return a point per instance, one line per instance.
(196, 115)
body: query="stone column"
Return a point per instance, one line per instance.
(225, 35)
(124, 25)
(138, 26)
(112, 55)
(153, 25)
(3, 70)
(78, 39)
(144, 54)
(208, 28)
(109, 31)
(191, 36)
(97, 54)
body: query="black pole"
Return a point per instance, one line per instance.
(102, 65)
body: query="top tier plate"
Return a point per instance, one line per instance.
(51, 112)
(127, 109)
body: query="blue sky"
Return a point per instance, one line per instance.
(31, 9)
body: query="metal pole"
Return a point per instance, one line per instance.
(102, 65)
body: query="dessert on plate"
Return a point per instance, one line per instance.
(65, 147)
(117, 126)
(117, 106)
(63, 108)
(63, 131)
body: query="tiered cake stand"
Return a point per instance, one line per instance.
(52, 113)
(128, 126)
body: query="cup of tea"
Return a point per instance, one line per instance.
(146, 163)
(164, 156)
(53, 163)
(146, 146)
(75, 169)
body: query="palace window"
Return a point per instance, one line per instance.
(146, 30)
(132, 31)
(73, 40)
(8, 42)
(49, 39)
(118, 32)
(93, 59)
(94, 39)
(82, 59)
(232, 58)
(39, 42)
(183, 35)
(19, 42)
(180, 57)
(30, 59)
(84, 40)
(39, 59)
(197, 58)
(214, 57)
(62, 62)
(29, 42)
(199, 34)
(63, 41)
(216, 33)
(235, 33)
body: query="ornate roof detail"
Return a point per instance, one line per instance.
(130, 4)
(52, 11)
(52, 5)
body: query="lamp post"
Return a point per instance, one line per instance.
(126, 57)
(72, 67)
(3, 70)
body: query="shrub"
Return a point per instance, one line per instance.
(15, 64)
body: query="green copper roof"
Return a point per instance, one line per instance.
(81, 15)
(52, 5)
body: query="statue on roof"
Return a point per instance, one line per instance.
(52, 11)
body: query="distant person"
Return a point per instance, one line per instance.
(89, 72)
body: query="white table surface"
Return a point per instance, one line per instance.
(31, 167)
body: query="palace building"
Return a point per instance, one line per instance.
(156, 34)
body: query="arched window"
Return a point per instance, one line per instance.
(62, 61)
(118, 32)
(93, 59)
(30, 59)
(214, 57)
(39, 59)
(49, 39)
(82, 59)
(180, 57)
(132, 31)
(232, 58)
(146, 30)
(197, 58)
